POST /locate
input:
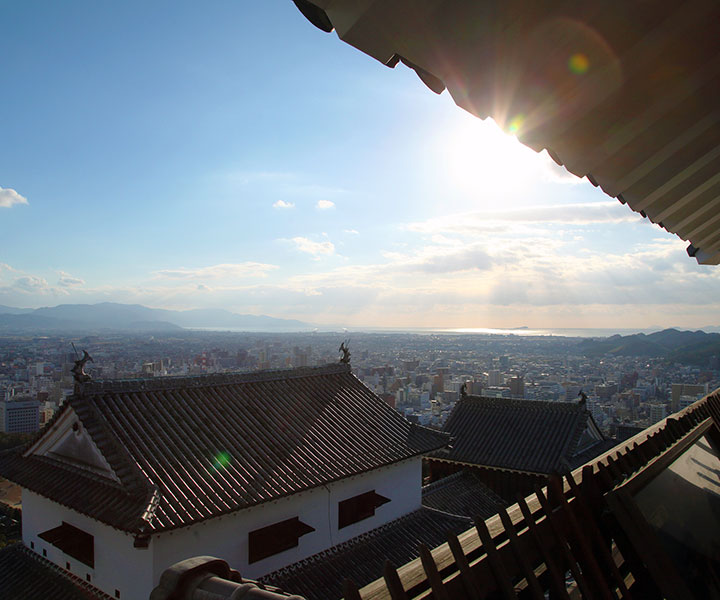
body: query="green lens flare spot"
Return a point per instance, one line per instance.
(516, 123)
(578, 63)
(221, 461)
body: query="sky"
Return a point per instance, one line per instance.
(231, 155)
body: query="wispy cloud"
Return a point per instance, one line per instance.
(283, 204)
(316, 249)
(325, 204)
(351, 231)
(222, 271)
(9, 197)
(573, 214)
(67, 280)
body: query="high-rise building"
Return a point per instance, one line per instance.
(517, 386)
(657, 412)
(494, 378)
(19, 415)
(686, 389)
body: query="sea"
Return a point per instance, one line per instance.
(590, 332)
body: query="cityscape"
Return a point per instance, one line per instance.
(421, 374)
(322, 299)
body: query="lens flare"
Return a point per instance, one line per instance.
(578, 63)
(516, 123)
(221, 461)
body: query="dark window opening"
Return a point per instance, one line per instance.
(73, 542)
(276, 538)
(67, 566)
(87, 576)
(117, 593)
(44, 553)
(359, 507)
(32, 545)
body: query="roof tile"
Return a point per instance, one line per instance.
(214, 444)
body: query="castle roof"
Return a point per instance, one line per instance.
(148, 455)
(522, 435)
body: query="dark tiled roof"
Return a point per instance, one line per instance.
(187, 449)
(523, 435)
(587, 455)
(26, 576)
(462, 494)
(320, 577)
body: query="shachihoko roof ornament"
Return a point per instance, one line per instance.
(624, 92)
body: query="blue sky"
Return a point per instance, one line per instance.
(229, 154)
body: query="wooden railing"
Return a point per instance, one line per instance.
(562, 539)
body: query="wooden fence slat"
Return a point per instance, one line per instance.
(562, 540)
(433, 575)
(497, 567)
(557, 577)
(466, 573)
(350, 590)
(533, 583)
(580, 546)
(393, 583)
(597, 540)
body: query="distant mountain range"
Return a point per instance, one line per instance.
(687, 347)
(80, 318)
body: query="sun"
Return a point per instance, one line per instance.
(488, 166)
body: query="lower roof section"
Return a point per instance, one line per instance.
(320, 577)
(27, 576)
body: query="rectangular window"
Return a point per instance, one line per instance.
(359, 507)
(73, 542)
(276, 538)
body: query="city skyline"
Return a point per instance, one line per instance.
(180, 157)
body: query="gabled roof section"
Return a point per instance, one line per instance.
(192, 448)
(68, 441)
(622, 92)
(521, 435)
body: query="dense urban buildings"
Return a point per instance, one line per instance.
(422, 375)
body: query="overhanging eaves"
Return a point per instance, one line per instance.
(623, 92)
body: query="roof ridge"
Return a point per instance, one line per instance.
(206, 380)
(548, 404)
(441, 483)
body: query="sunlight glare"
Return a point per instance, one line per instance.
(490, 165)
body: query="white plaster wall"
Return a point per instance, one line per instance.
(227, 537)
(118, 565)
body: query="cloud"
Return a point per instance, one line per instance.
(30, 284)
(317, 249)
(67, 280)
(325, 204)
(460, 260)
(222, 271)
(572, 214)
(283, 204)
(351, 231)
(9, 197)
(201, 287)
